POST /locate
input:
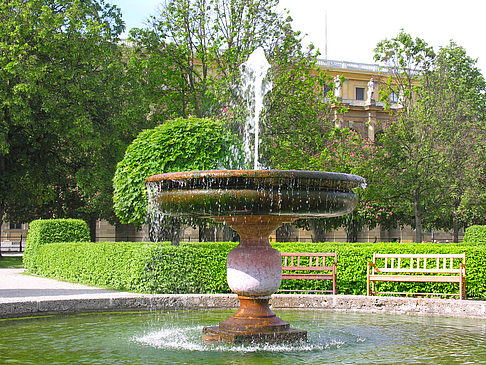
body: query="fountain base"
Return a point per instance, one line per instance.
(290, 335)
(253, 323)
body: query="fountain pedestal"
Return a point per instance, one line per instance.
(254, 272)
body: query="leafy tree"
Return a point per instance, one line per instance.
(348, 152)
(66, 106)
(190, 57)
(455, 94)
(410, 155)
(177, 145)
(191, 52)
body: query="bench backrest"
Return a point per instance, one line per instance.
(419, 263)
(301, 261)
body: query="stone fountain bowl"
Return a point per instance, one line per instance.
(216, 193)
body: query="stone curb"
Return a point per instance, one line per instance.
(26, 307)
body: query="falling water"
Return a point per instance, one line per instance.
(254, 88)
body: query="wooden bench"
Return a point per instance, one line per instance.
(310, 266)
(435, 268)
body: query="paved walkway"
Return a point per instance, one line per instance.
(25, 295)
(15, 285)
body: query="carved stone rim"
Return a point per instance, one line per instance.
(300, 178)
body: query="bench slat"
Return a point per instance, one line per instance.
(424, 271)
(307, 268)
(308, 276)
(416, 278)
(420, 255)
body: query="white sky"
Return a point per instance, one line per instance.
(354, 27)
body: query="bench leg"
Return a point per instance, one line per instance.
(368, 281)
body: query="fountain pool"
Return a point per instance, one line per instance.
(174, 337)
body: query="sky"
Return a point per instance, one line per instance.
(354, 27)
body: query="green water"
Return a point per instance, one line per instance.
(173, 337)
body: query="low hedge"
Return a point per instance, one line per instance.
(44, 231)
(475, 235)
(201, 267)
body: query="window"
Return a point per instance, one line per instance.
(15, 225)
(394, 97)
(360, 93)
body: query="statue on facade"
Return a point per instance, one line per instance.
(337, 86)
(371, 91)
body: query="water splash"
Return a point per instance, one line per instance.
(253, 89)
(189, 339)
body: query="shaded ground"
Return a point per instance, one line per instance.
(11, 262)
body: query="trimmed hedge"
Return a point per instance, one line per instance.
(201, 267)
(44, 231)
(475, 235)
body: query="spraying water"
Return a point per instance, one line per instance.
(254, 88)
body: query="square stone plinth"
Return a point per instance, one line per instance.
(290, 335)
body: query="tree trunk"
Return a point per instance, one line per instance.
(455, 223)
(175, 238)
(352, 229)
(230, 235)
(418, 222)
(2, 206)
(2, 210)
(317, 233)
(92, 228)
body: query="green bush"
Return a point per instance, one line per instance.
(44, 231)
(201, 267)
(139, 267)
(177, 145)
(475, 235)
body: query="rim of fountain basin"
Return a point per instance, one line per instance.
(290, 193)
(261, 178)
(64, 304)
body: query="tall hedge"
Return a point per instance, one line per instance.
(475, 235)
(45, 231)
(201, 267)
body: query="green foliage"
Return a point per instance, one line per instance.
(46, 231)
(201, 267)
(431, 163)
(183, 45)
(139, 267)
(475, 235)
(178, 145)
(68, 108)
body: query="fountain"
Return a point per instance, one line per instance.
(254, 203)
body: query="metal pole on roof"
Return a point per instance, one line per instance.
(325, 34)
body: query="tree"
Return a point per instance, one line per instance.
(64, 102)
(190, 58)
(455, 92)
(348, 152)
(191, 52)
(410, 158)
(177, 145)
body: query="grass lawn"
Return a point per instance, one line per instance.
(11, 262)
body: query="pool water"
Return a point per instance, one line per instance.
(174, 337)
